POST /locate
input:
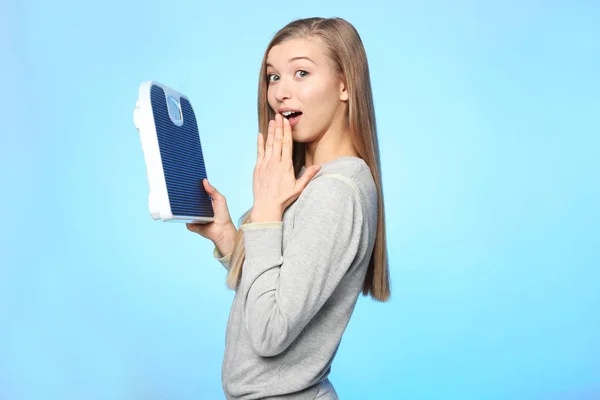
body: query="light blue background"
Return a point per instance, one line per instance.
(488, 117)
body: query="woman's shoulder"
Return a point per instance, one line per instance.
(343, 176)
(353, 170)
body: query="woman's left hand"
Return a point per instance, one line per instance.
(274, 184)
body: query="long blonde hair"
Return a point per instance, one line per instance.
(345, 49)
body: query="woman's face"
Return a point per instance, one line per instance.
(300, 77)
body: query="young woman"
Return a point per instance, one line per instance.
(315, 236)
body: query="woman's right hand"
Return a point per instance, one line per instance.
(221, 231)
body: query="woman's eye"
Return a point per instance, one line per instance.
(303, 73)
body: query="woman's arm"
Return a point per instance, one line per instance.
(283, 290)
(224, 247)
(226, 243)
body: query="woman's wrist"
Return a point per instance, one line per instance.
(226, 242)
(266, 216)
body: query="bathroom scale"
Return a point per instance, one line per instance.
(172, 151)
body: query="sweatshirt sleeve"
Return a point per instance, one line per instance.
(283, 290)
(224, 260)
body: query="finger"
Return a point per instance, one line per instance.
(306, 177)
(286, 151)
(269, 148)
(208, 189)
(192, 227)
(261, 148)
(200, 229)
(212, 191)
(278, 136)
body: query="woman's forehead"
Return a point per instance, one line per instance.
(293, 49)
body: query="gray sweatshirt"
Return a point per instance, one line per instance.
(300, 282)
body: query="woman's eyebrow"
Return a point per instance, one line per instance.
(294, 59)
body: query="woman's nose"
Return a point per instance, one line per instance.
(282, 90)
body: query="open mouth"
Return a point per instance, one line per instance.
(292, 116)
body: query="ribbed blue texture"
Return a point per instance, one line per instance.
(181, 154)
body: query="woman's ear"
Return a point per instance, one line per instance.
(343, 91)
